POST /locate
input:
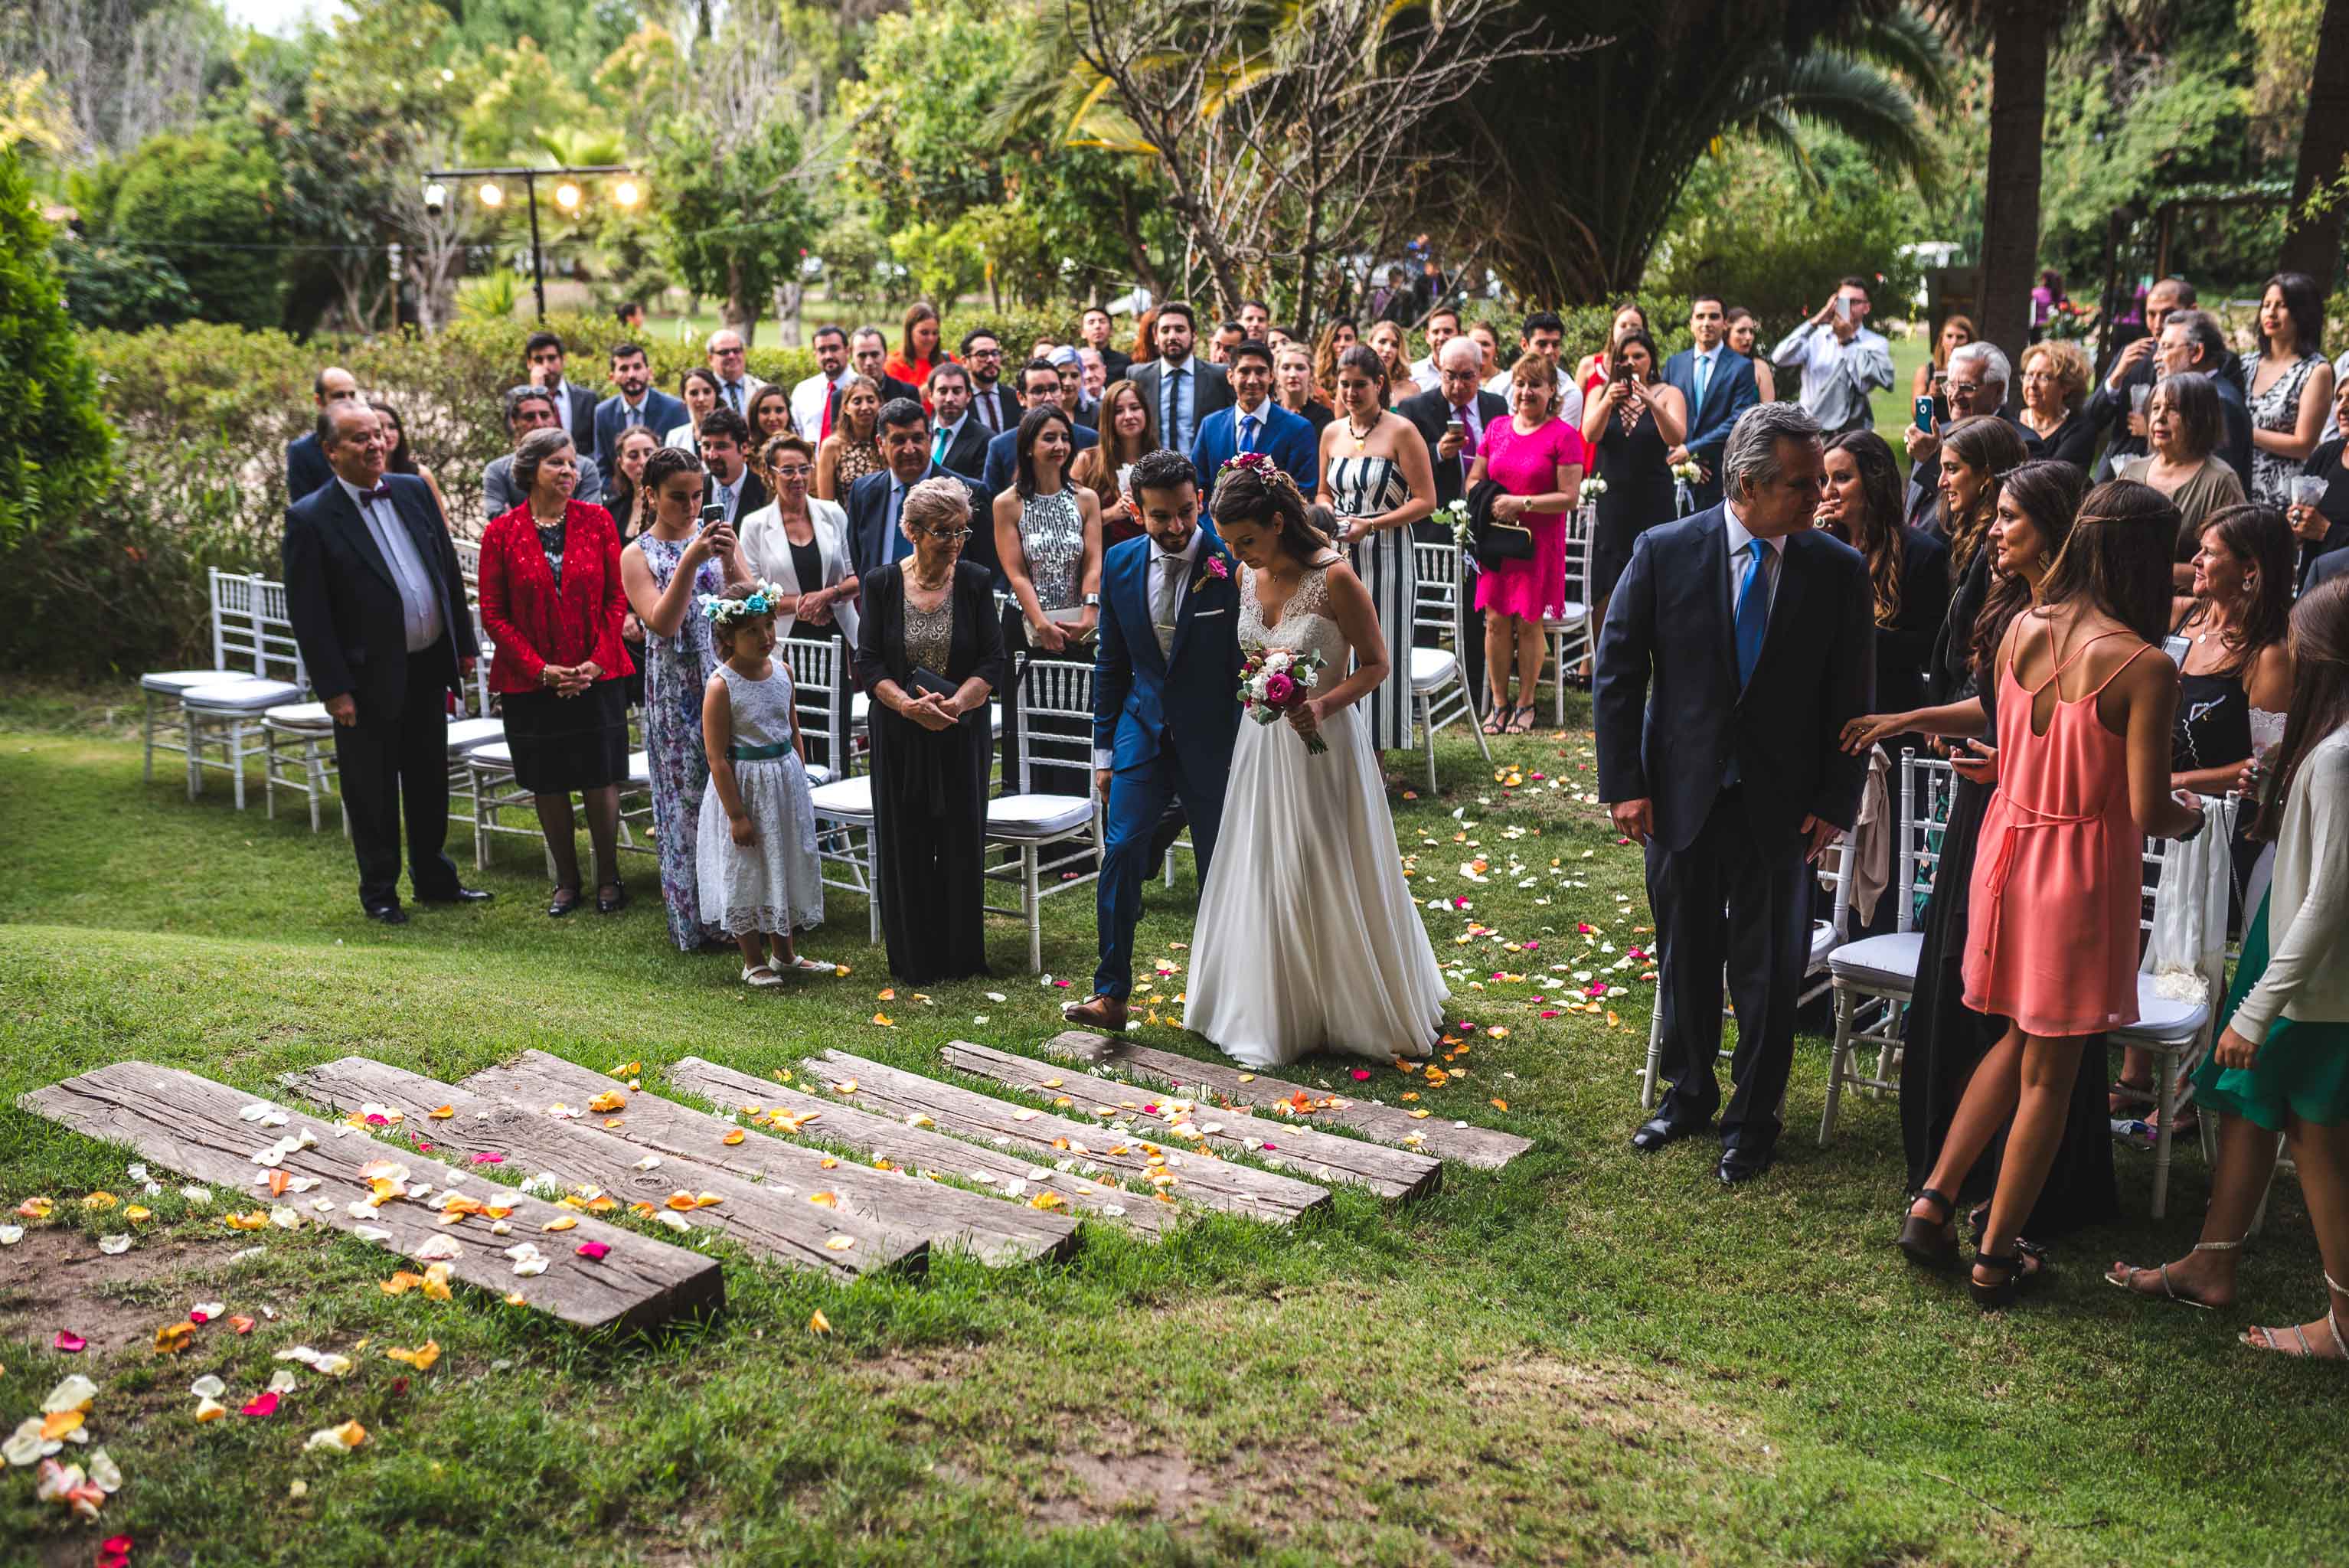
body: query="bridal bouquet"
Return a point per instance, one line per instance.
(1275, 681)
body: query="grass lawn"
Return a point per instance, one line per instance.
(1590, 1355)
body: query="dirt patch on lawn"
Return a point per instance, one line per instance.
(1630, 1406)
(56, 1279)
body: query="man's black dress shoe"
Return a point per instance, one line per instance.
(1744, 1164)
(462, 895)
(389, 913)
(1654, 1135)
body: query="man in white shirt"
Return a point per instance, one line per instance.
(1443, 326)
(813, 399)
(1544, 334)
(1841, 361)
(736, 385)
(724, 440)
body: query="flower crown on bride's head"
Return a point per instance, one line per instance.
(753, 600)
(1262, 466)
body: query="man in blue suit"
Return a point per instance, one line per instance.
(1166, 671)
(877, 500)
(1039, 383)
(1739, 643)
(637, 402)
(1254, 423)
(306, 468)
(1717, 383)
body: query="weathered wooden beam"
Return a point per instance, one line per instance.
(1481, 1147)
(780, 1224)
(995, 1232)
(1200, 1122)
(192, 1125)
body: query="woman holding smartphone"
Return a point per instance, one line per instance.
(1048, 535)
(1630, 424)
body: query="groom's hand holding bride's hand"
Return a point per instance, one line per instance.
(1635, 820)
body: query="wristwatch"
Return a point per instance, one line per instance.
(1093, 601)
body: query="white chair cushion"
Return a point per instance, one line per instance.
(1037, 816)
(176, 681)
(640, 770)
(1432, 667)
(470, 734)
(1823, 942)
(1890, 960)
(299, 715)
(817, 773)
(845, 798)
(2163, 1020)
(252, 694)
(492, 754)
(1567, 617)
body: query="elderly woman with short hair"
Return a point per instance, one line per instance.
(929, 650)
(552, 601)
(2055, 394)
(2184, 425)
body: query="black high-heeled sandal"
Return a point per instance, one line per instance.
(1930, 1243)
(1991, 1297)
(559, 906)
(616, 903)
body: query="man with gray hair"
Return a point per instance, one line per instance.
(1738, 643)
(2110, 406)
(530, 409)
(1977, 386)
(2193, 340)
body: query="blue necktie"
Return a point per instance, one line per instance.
(1703, 379)
(1752, 611)
(1181, 438)
(1247, 433)
(900, 546)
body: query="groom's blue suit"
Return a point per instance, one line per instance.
(1163, 723)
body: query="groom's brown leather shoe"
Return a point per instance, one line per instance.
(1097, 1012)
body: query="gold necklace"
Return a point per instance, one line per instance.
(1360, 435)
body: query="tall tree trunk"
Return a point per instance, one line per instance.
(2312, 244)
(737, 312)
(2018, 114)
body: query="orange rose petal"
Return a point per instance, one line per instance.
(818, 1323)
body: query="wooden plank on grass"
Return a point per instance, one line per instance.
(1291, 1145)
(832, 1120)
(784, 1226)
(1478, 1146)
(993, 1231)
(192, 1126)
(1194, 1176)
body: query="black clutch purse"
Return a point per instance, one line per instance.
(1496, 540)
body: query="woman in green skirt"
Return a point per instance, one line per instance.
(2283, 1063)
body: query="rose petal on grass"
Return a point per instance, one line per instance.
(208, 1386)
(174, 1337)
(818, 1323)
(421, 1358)
(593, 1250)
(69, 1342)
(210, 1410)
(259, 1405)
(72, 1392)
(339, 1440)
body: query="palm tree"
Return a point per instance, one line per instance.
(2312, 244)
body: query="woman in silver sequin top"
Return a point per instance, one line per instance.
(1047, 534)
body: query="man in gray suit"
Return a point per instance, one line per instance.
(1181, 389)
(530, 409)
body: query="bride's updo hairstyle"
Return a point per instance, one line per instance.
(1263, 497)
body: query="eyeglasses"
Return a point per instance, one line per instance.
(947, 535)
(795, 471)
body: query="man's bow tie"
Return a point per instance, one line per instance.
(380, 492)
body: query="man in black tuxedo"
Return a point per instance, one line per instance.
(1095, 327)
(1181, 389)
(958, 440)
(1457, 399)
(1738, 643)
(725, 442)
(869, 348)
(993, 404)
(379, 612)
(574, 406)
(636, 403)
(306, 470)
(877, 501)
(1039, 383)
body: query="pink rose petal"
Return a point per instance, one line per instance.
(68, 1341)
(259, 1405)
(488, 1159)
(1361, 1074)
(593, 1250)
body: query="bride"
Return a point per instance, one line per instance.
(1308, 939)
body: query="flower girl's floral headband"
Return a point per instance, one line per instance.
(761, 598)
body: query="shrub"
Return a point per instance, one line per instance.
(54, 449)
(120, 290)
(190, 196)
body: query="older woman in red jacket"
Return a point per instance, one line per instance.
(552, 603)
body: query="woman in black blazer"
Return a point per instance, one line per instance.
(930, 649)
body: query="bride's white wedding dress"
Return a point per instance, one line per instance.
(1308, 939)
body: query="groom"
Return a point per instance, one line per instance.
(1165, 705)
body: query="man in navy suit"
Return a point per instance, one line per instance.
(877, 501)
(1166, 666)
(1737, 646)
(379, 612)
(1039, 383)
(637, 402)
(574, 406)
(1254, 423)
(995, 405)
(306, 470)
(1717, 383)
(957, 439)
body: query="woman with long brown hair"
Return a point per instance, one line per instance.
(1129, 428)
(2282, 1063)
(1330, 342)
(1975, 454)
(918, 348)
(854, 449)
(1907, 569)
(1957, 331)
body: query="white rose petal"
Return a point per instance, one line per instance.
(113, 1247)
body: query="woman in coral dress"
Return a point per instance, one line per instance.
(2082, 772)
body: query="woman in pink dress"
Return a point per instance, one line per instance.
(1537, 461)
(2085, 699)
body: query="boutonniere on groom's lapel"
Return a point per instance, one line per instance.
(1216, 568)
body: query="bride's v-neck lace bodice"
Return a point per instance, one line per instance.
(1305, 625)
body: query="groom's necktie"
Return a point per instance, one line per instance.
(1162, 599)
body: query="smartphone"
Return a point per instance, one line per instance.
(712, 513)
(1925, 414)
(1455, 427)
(2176, 647)
(1843, 307)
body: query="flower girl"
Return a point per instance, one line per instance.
(756, 850)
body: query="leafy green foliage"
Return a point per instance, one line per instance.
(56, 453)
(124, 290)
(737, 217)
(195, 197)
